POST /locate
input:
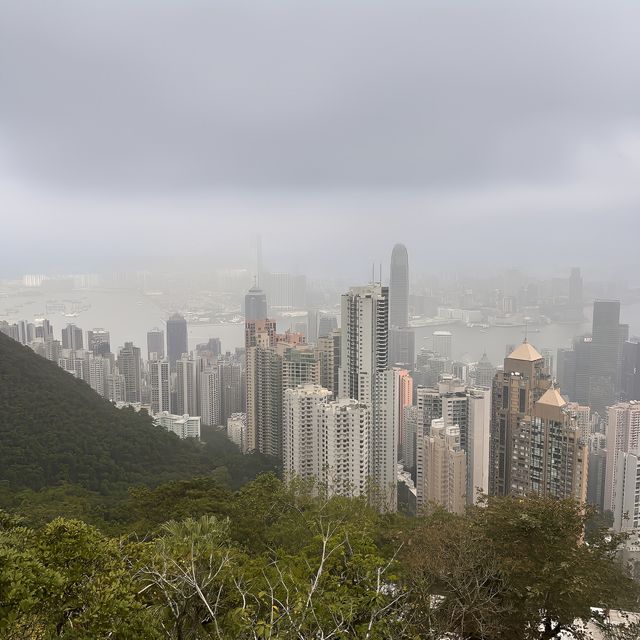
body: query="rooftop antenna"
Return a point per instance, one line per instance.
(526, 329)
(373, 273)
(381, 273)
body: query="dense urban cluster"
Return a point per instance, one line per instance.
(344, 397)
(368, 432)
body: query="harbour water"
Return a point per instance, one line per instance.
(128, 315)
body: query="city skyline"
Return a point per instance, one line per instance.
(320, 319)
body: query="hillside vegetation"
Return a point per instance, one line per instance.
(56, 432)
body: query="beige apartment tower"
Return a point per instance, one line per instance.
(442, 464)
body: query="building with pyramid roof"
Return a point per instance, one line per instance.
(537, 445)
(525, 352)
(484, 372)
(515, 390)
(557, 464)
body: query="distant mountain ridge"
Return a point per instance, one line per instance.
(55, 429)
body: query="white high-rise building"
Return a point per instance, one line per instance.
(411, 426)
(160, 379)
(187, 385)
(116, 385)
(346, 425)
(442, 343)
(386, 414)
(583, 417)
(237, 430)
(302, 437)
(365, 340)
(183, 426)
(478, 441)
(442, 469)
(623, 435)
(211, 397)
(626, 492)
(364, 376)
(327, 440)
(469, 409)
(99, 370)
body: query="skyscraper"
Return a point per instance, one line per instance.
(468, 409)
(630, 382)
(329, 356)
(555, 453)
(327, 441)
(484, 372)
(364, 376)
(188, 385)
(515, 390)
(155, 344)
(303, 445)
(575, 290)
(177, 343)
(537, 444)
(444, 464)
(399, 287)
(593, 372)
(442, 343)
(160, 386)
(574, 369)
(129, 367)
(44, 330)
(99, 342)
(365, 340)
(623, 436)
(116, 385)
(255, 305)
(300, 365)
(605, 373)
(404, 397)
(72, 337)
(231, 390)
(99, 370)
(211, 397)
(237, 430)
(478, 442)
(402, 347)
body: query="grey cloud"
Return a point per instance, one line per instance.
(457, 127)
(170, 95)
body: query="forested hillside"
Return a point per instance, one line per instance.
(55, 429)
(270, 562)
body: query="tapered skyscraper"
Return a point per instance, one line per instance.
(399, 287)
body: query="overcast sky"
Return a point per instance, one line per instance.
(481, 133)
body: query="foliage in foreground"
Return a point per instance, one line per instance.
(275, 562)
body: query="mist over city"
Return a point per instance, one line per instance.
(474, 128)
(319, 320)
